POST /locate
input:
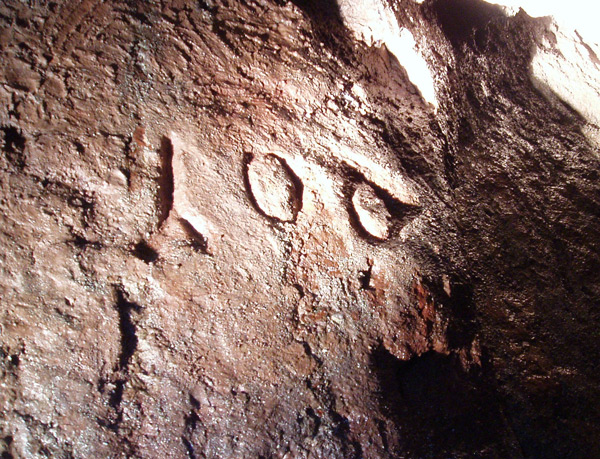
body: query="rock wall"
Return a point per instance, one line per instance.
(235, 229)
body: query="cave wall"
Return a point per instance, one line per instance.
(235, 229)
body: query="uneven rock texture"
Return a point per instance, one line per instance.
(232, 229)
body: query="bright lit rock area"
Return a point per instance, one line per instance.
(299, 229)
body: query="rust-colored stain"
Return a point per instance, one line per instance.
(139, 136)
(424, 301)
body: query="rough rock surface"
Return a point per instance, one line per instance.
(159, 300)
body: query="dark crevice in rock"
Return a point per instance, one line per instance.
(82, 243)
(321, 11)
(115, 399)
(364, 277)
(13, 145)
(191, 421)
(5, 444)
(220, 28)
(189, 448)
(463, 326)
(122, 375)
(439, 407)
(460, 19)
(166, 183)
(145, 252)
(207, 5)
(310, 353)
(79, 147)
(459, 305)
(127, 173)
(127, 327)
(300, 290)
(382, 429)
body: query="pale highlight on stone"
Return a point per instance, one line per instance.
(273, 188)
(371, 211)
(374, 22)
(566, 63)
(569, 68)
(580, 15)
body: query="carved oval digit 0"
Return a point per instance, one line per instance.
(371, 211)
(275, 189)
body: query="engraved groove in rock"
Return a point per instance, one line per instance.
(274, 189)
(371, 211)
(129, 345)
(374, 213)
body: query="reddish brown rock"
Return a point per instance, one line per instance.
(233, 229)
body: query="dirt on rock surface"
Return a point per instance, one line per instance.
(231, 229)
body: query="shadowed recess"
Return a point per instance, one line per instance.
(437, 406)
(460, 18)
